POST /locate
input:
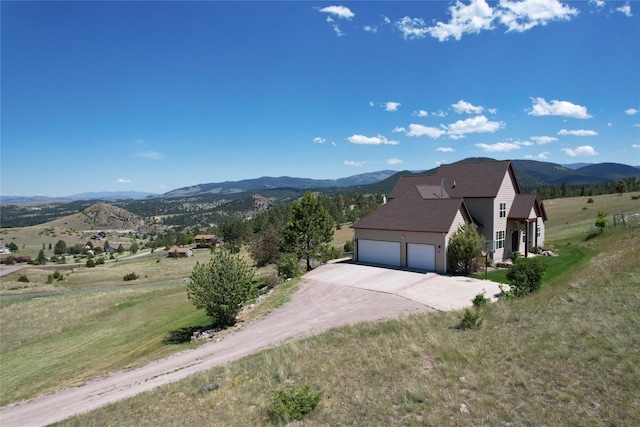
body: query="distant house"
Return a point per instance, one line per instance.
(412, 230)
(207, 240)
(5, 250)
(176, 252)
(114, 247)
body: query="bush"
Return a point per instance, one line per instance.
(9, 260)
(480, 301)
(90, 263)
(130, 276)
(99, 261)
(23, 279)
(57, 275)
(348, 246)
(525, 276)
(221, 287)
(293, 404)
(470, 319)
(288, 266)
(462, 250)
(328, 252)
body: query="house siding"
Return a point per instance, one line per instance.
(506, 194)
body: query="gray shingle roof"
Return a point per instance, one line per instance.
(522, 205)
(481, 179)
(415, 214)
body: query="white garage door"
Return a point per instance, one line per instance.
(379, 252)
(421, 257)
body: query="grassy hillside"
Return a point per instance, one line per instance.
(567, 355)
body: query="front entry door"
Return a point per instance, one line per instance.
(515, 241)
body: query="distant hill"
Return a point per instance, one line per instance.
(266, 183)
(101, 195)
(101, 216)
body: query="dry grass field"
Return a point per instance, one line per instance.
(567, 355)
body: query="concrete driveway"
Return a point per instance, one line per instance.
(442, 293)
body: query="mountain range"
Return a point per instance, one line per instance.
(530, 173)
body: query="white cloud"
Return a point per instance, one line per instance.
(465, 19)
(632, 111)
(477, 15)
(319, 140)
(333, 143)
(478, 124)
(582, 151)
(421, 130)
(635, 146)
(420, 113)
(372, 104)
(341, 12)
(139, 141)
(337, 30)
(492, 110)
(153, 155)
(626, 9)
(391, 106)
(579, 132)
(398, 129)
(439, 113)
(523, 15)
(445, 149)
(370, 29)
(412, 28)
(371, 140)
(464, 107)
(558, 108)
(394, 161)
(598, 3)
(541, 156)
(541, 140)
(499, 147)
(353, 163)
(123, 180)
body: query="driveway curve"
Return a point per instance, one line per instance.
(330, 296)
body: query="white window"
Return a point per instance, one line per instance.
(503, 210)
(538, 230)
(500, 239)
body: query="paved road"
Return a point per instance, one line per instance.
(330, 296)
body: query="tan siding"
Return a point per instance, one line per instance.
(506, 194)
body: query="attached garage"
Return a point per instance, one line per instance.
(421, 257)
(379, 252)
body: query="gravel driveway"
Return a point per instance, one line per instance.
(330, 296)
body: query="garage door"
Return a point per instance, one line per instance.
(379, 252)
(421, 257)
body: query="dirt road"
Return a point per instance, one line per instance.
(315, 307)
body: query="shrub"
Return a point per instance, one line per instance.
(480, 300)
(348, 246)
(590, 200)
(90, 263)
(470, 319)
(99, 261)
(57, 275)
(221, 287)
(9, 260)
(49, 279)
(23, 279)
(328, 252)
(293, 404)
(288, 267)
(525, 276)
(130, 276)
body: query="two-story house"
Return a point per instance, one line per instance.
(413, 228)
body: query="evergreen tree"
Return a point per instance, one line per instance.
(42, 258)
(60, 248)
(462, 249)
(308, 230)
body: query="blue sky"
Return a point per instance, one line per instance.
(154, 96)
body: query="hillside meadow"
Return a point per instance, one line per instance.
(567, 355)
